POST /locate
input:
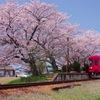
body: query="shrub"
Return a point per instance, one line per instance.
(85, 68)
(70, 68)
(64, 68)
(74, 67)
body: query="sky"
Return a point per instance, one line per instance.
(83, 12)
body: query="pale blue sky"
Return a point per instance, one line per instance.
(84, 12)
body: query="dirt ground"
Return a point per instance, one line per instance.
(5, 80)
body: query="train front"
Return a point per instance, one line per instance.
(90, 68)
(94, 65)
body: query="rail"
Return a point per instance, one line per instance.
(8, 86)
(58, 79)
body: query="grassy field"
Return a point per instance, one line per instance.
(87, 91)
(14, 80)
(33, 78)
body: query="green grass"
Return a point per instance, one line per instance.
(33, 78)
(73, 94)
(90, 91)
(98, 98)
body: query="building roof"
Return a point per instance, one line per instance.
(6, 68)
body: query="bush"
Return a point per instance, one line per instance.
(64, 68)
(85, 68)
(70, 68)
(74, 67)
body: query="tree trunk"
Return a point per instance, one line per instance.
(34, 68)
(53, 63)
(67, 59)
(32, 64)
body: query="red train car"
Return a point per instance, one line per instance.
(94, 65)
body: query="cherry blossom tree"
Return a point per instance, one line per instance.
(86, 44)
(79, 46)
(36, 33)
(31, 32)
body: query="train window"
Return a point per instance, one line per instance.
(96, 62)
(90, 62)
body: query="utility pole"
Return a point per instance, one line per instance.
(67, 57)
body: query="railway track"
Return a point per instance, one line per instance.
(13, 86)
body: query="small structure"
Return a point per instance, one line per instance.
(22, 71)
(7, 71)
